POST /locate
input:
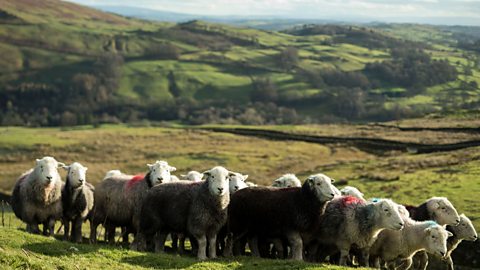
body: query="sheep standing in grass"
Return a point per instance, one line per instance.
(118, 199)
(399, 247)
(77, 198)
(192, 176)
(463, 231)
(36, 197)
(285, 212)
(287, 180)
(438, 209)
(197, 208)
(349, 221)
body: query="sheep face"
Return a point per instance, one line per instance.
(160, 172)
(76, 174)
(436, 237)
(465, 229)
(322, 186)
(390, 217)
(287, 180)
(403, 212)
(193, 176)
(351, 191)
(46, 169)
(218, 180)
(237, 182)
(443, 211)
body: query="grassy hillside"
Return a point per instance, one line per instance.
(57, 51)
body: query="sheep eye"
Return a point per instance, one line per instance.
(433, 236)
(386, 210)
(443, 208)
(213, 176)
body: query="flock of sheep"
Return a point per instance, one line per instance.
(219, 211)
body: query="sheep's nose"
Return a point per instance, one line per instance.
(220, 189)
(159, 178)
(458, 221)
(49, 178)
(332, 194)
(442, 253)
(475, 237)
(236, 187)
(401, 224)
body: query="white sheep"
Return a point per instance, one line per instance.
(36, 197)
(192, 176)
(395, 247)
(463, 231)
(112, 173)
(287, 180)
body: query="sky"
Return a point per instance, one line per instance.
(424, 11)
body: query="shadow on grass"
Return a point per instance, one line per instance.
(60, 248)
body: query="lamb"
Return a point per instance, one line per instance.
(36, 197)
(77, 199)
(112, 173)
(463, 231)
(273, 212)
(192, 176)
(352, 191)
(118, 199)
(201, 212)
(438, 209)
(287, 180)
(349, 221)
(393, 246)
(237, 182)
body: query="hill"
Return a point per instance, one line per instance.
(66, 64)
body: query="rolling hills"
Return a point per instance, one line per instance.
(65, 64)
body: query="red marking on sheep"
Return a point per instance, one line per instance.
(350, 200)
(136, 179)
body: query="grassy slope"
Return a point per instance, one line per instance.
(51, 31)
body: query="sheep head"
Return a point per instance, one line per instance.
(287, 180)
(443, 211)
(390, 217)
(351, 191)
(47, 170)
(237, 182)
(193, 176)
(464, 230)
(76, 174)
(159, 172)
(218, 180)
(436, 239)
(321, 185)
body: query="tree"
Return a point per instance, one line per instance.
(288, 58)
(264, 90)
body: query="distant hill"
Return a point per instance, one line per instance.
(65, 64)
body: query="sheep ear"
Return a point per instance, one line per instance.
(449, 234)
(183, 175)
(37, 160)
(332, 180)
(230, 174)
(150, 166)
(66, 167)
(173, 169)
(428, 230)
(245, 176)
(206, 174)
(86, 168)
(61, 164)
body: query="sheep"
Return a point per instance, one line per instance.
(438, 209)
(198, 209)
(287, 180)
(112, 173)
(351, 191)
(77, 199)
(192, 176)
(269, 211)
(237, 182)
(463, 231)
(118, 199)
(349, 221)
(400, 246)
(251, 184)
(36, 197)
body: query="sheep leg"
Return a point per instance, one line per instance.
(181, 243)
(405, 264)
(422, 260)
(139, 243)
(49, 227)
(125, 232)
(278, 245)
(449, 263)
(174, 237)
(212, 242)
(295, 241)
(160, 238)
(228, 252)
(253, 245)
(343, 256)
(365, 258)
(93, 231)
(202, 247)
(77, 230)
(66, 229)
(110, 234)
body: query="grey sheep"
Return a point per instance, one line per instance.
(198, 209)
(77, 198)
(463, 231)
(118, 199)
(349, 221)
(36, 197)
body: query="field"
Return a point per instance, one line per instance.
(405, 177)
